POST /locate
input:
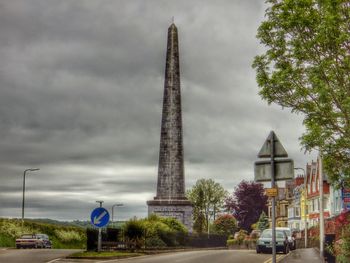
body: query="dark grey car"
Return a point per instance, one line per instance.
(264, 243)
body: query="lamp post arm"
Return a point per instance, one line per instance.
(113, 210)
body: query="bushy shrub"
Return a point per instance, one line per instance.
(13, 228)
(342, 246)
(134, 231)
(174, 224)
(155, 242)
(156, 228)
(240, 236)
(68, 235)
(225, 224)
(231, 242)
(154, 231)
(61, 237)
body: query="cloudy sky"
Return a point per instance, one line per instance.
(81, 87)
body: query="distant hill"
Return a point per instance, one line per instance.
(77, 223)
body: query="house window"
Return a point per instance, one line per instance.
(283, 210)
(308, 188)
(337, 204)
(297, 211)
(290, 212)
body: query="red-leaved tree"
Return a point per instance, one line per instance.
(246, 203)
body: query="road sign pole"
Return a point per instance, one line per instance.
(273, 170)
(273, 210)
(99, 240)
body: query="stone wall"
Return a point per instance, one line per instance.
(183, 213)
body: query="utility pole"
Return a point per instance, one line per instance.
(24, 187)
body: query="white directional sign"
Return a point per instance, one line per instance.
(284, 170)
(99, 217)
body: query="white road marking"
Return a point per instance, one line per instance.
(54, 260)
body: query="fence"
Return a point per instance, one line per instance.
(113, 239)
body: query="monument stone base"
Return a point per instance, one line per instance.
(179, 209)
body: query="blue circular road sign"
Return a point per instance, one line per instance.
(99, 217)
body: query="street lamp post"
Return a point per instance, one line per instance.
(305, 203)
(24, 186)
(118, 204)
(321, 207)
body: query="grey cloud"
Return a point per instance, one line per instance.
(81, 85)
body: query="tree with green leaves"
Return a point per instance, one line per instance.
(207, 198)
(306, 67)
(263, 222)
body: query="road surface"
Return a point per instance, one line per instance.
(200, 256)
(33, 255)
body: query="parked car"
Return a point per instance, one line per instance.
(291, 239)
(45, 238)
(29, 241)
(264, 243)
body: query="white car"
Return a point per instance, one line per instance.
(291, 239)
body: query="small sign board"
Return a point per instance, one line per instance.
(265, 151)
(284, 170)
(99, 217)
(271, 192)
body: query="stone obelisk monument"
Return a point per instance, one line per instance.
(171, 200)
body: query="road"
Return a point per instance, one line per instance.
(202, 256)
(33, 255)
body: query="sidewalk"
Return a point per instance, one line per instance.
(309, 255)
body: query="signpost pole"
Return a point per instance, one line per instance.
(99, 239)
(273, 210)
(99, 218)
(273, 170)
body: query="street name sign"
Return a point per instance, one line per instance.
(271, 192)
(99, 217)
